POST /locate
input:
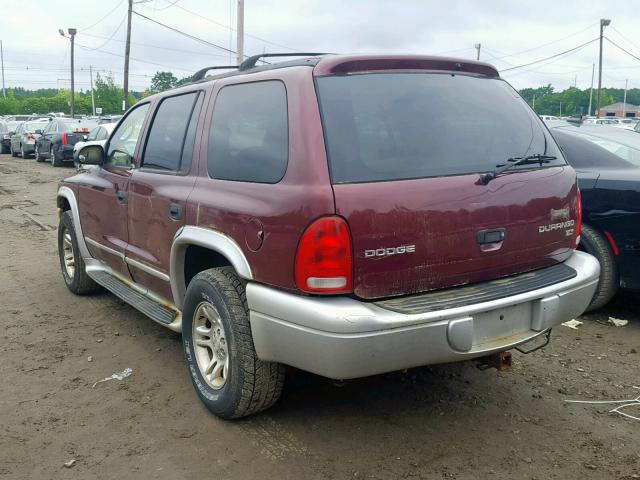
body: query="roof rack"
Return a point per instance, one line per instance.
(200, 74)
(251, 61)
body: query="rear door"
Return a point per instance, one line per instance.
(103, 193)
(405, 153)
(159, 188)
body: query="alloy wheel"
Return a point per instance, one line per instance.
(210, 345)
(69, 256)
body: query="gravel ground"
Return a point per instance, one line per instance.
(447, 421)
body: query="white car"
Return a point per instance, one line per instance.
(549, 117)
(97, 136)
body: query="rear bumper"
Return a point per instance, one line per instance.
(341, 337)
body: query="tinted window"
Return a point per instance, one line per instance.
(393, 126)
(583, 154)
(80, 125)
(167, 135)
(187, 151)
(249, 137)
(620, 150)
(124, 140)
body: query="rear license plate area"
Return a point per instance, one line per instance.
(502, 323)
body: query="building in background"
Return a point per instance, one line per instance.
(620, 110)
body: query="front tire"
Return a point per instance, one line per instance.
(13, 154)
(225, 370)
(594, 243)
(71, 262)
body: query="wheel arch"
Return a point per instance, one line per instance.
(215, 250)
(66, 201)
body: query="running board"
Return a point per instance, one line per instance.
(151, 308)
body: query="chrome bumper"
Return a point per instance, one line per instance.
(341, 337)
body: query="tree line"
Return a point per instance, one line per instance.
(109, 96)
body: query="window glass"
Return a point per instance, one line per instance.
(124, 140)
(622, 151)
(167, 135)
(19, 128)
(249, 136)
(395, 126)
(94, 134)
(187, 151)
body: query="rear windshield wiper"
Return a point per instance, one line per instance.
(512, 162)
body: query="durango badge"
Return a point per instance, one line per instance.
(556, 226)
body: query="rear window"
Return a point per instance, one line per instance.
(394, 126)
(77, 126)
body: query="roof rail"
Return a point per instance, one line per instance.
(200, 74)
(251, 61)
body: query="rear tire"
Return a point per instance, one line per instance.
(594, 243)
(13, 154)
(54, 160)
(37, 155)
(71, 262)
(23, 154)
(216, 313)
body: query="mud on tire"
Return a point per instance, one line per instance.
(251, 385)
(78, 282)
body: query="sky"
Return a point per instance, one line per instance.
(511, 33)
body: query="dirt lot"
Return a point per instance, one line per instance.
(450, 421)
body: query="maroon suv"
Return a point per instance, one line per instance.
(345, 215)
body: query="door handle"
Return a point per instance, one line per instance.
(122, 197)
(175, 211)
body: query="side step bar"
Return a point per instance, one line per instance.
(156, 311)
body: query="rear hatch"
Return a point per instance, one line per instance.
(405, 151)
(77, 131)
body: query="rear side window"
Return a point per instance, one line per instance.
(166, 139)
(396, 126)
(249, 136)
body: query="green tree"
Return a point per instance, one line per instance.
(162, 81)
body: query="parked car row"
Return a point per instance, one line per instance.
(52, 138)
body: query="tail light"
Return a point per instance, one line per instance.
(65, 140)
(324, 261)
(7, 136)
(31, 137)
(578, 217)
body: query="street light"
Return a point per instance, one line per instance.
(604, 22)
(72, 35)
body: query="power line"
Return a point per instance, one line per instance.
(112, 35)
(108, 13)
(136, 59)
(545, 44)
(220, 24)
(621, 48)
(552, 56)
(159, 47)
(623, 36)
(188, 35)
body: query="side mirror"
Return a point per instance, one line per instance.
(91, 155)
(38, 132)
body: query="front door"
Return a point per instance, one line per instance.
(103, 196)
(159, 188)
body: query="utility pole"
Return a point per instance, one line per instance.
(127, 50)
(93, 100)
(4, 94)
(72, 34)
(240, 33)
(477, 47)
(603, 23)
(560, 109)
(534, 101)
(624, 102)
(575, 81)
(593, 70)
